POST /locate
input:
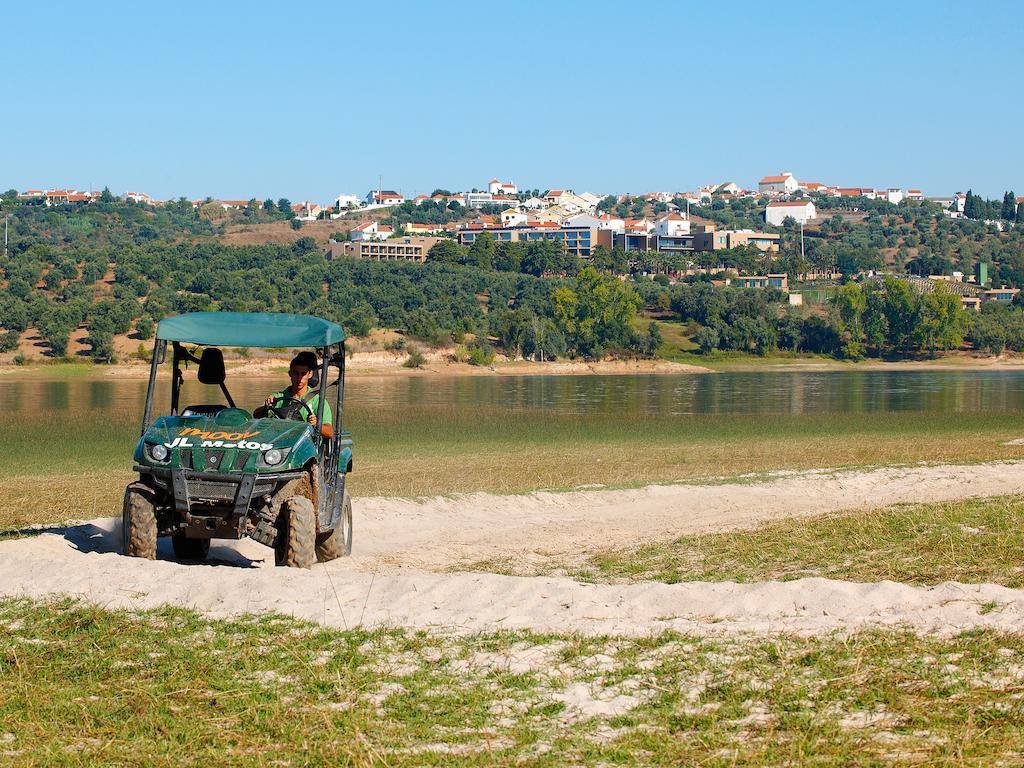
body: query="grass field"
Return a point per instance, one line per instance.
(972, 541)
(83, 686)
(76, 465)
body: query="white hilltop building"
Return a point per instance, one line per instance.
(372, 230)
(802, 211)
(783, 184)
(513, 218)
(344, 201)
(496, 187)
(672, 225)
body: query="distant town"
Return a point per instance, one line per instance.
(581, 222)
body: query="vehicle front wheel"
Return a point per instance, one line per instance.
(337, 542)
(190, 549)
(296, 541)
(138, 522)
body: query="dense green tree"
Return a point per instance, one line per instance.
(144, 327)
(509, 255)
(481, 251)
(942, 321)
(612, 260)
(850, 302)
(900, 308)
(596, 313)
(1009, 209)
(707, 339)
(360, 320)
(446, 252)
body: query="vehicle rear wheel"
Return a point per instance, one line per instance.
(338, 542)
(190, 549)
(296, 542)
(138, 522)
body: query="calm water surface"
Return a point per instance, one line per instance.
(668, 396)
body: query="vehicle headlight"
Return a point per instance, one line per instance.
(159, 452)
(272, 457)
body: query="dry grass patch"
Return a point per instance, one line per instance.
(85, 686)
(972, 541)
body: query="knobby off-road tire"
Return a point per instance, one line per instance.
(190, 549)
(138, 522)
(296, 542)
(337, 543)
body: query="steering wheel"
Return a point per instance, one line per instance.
(286, 411)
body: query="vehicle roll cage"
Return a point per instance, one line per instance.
(330, 355)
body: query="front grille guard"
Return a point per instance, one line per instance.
(179, 481)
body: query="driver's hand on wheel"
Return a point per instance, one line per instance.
(312, 419)
(269, 401)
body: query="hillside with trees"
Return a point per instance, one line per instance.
(113, 268)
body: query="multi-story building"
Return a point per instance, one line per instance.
(708, 238)
(579, 241)
(700, 237)
(478, 200)
(397, 249)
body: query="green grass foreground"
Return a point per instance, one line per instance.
(971, 541)
(73, 465)
(83, 686)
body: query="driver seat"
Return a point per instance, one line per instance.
(211, 371)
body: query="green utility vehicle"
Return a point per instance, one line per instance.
(213, 471)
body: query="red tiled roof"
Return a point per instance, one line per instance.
(774, 179)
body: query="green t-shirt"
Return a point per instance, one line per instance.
(281, 399)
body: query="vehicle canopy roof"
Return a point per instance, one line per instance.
(250, 329)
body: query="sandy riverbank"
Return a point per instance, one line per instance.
(380, 363)
(405, 567)
(385, 363)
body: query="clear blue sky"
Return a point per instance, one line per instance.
(308, 100)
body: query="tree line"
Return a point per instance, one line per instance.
(56, 291)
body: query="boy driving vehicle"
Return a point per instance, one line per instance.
(283, 403)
